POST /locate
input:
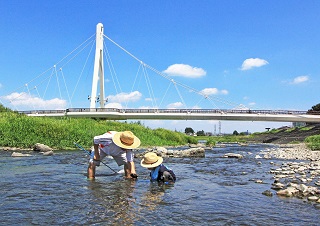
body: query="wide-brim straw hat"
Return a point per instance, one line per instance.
(151, 160)
(126, 140)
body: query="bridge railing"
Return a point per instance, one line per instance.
(43, 112)
(172, 111)
(187, 111)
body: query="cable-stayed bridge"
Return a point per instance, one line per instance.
(122, 105)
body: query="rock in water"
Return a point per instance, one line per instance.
(48, 153)
(17, 154)
(41, 148)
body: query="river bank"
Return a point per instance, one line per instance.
(298, 175)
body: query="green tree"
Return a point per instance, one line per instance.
(200, 133)
(316, 107)
(235, 133)
(4, 109)
(188, 130)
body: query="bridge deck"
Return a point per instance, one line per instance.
(183, 114)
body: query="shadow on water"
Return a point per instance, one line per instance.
(53, 190)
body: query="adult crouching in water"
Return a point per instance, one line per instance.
(119, 145)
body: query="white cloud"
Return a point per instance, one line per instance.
(24, 101)
(300, 79)
(125, 97)
(252, 104)
(213, 91)
(185, 70)
(175, 105)
(225, 92)
(113, 105)
(253, 62)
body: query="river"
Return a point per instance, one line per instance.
(53, 190)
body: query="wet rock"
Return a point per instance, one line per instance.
(191, 152)
(48, 153)
(17, 154)
(267, 193)
(288, 192)
(313, 198)
(232, 155)
(277, 186)
(41, 148)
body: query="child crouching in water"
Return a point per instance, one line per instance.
(159, 172)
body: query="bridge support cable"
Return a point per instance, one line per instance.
(135, 80)
(81, 73)
(50, 77)
(165, 94)
(40, 75)
(30, 96)
(169, 78)
(58, 83)
(65, 84)
(182, 100)
(149, 86)
(113, 73)
(42, 103)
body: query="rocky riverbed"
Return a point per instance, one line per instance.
(298, 175)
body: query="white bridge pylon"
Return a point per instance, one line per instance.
(98, 71)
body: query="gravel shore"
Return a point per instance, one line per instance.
(292, 151)
(299, 173)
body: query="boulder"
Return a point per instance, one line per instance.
(267, 193)
(232, 155)
(191, 152)
(48, 153)
(41, 148)
(17, 154)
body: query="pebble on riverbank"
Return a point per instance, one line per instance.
(293, 178)
(163, 152)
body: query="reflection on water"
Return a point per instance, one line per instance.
(53, 190)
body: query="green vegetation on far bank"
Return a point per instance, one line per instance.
(21, 131)
(18, 130)
(313, 142)
(212, 140)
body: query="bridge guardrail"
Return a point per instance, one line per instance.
(172, 111)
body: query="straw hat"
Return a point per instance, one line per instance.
(126, 140)
(151, 160)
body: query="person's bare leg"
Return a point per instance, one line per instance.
(91, 171)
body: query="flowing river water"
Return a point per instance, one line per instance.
(53, 190)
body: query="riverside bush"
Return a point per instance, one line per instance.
(313, 142)
(18, 130)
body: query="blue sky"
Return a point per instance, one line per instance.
(252, 54)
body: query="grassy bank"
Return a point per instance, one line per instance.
(313, 142)
(60, 133)
(212, 140)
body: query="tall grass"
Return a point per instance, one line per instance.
(18, 130)
(313, 142)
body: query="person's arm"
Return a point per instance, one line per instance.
(96, 152)
(130, 169)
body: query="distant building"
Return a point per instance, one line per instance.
(299, 124)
